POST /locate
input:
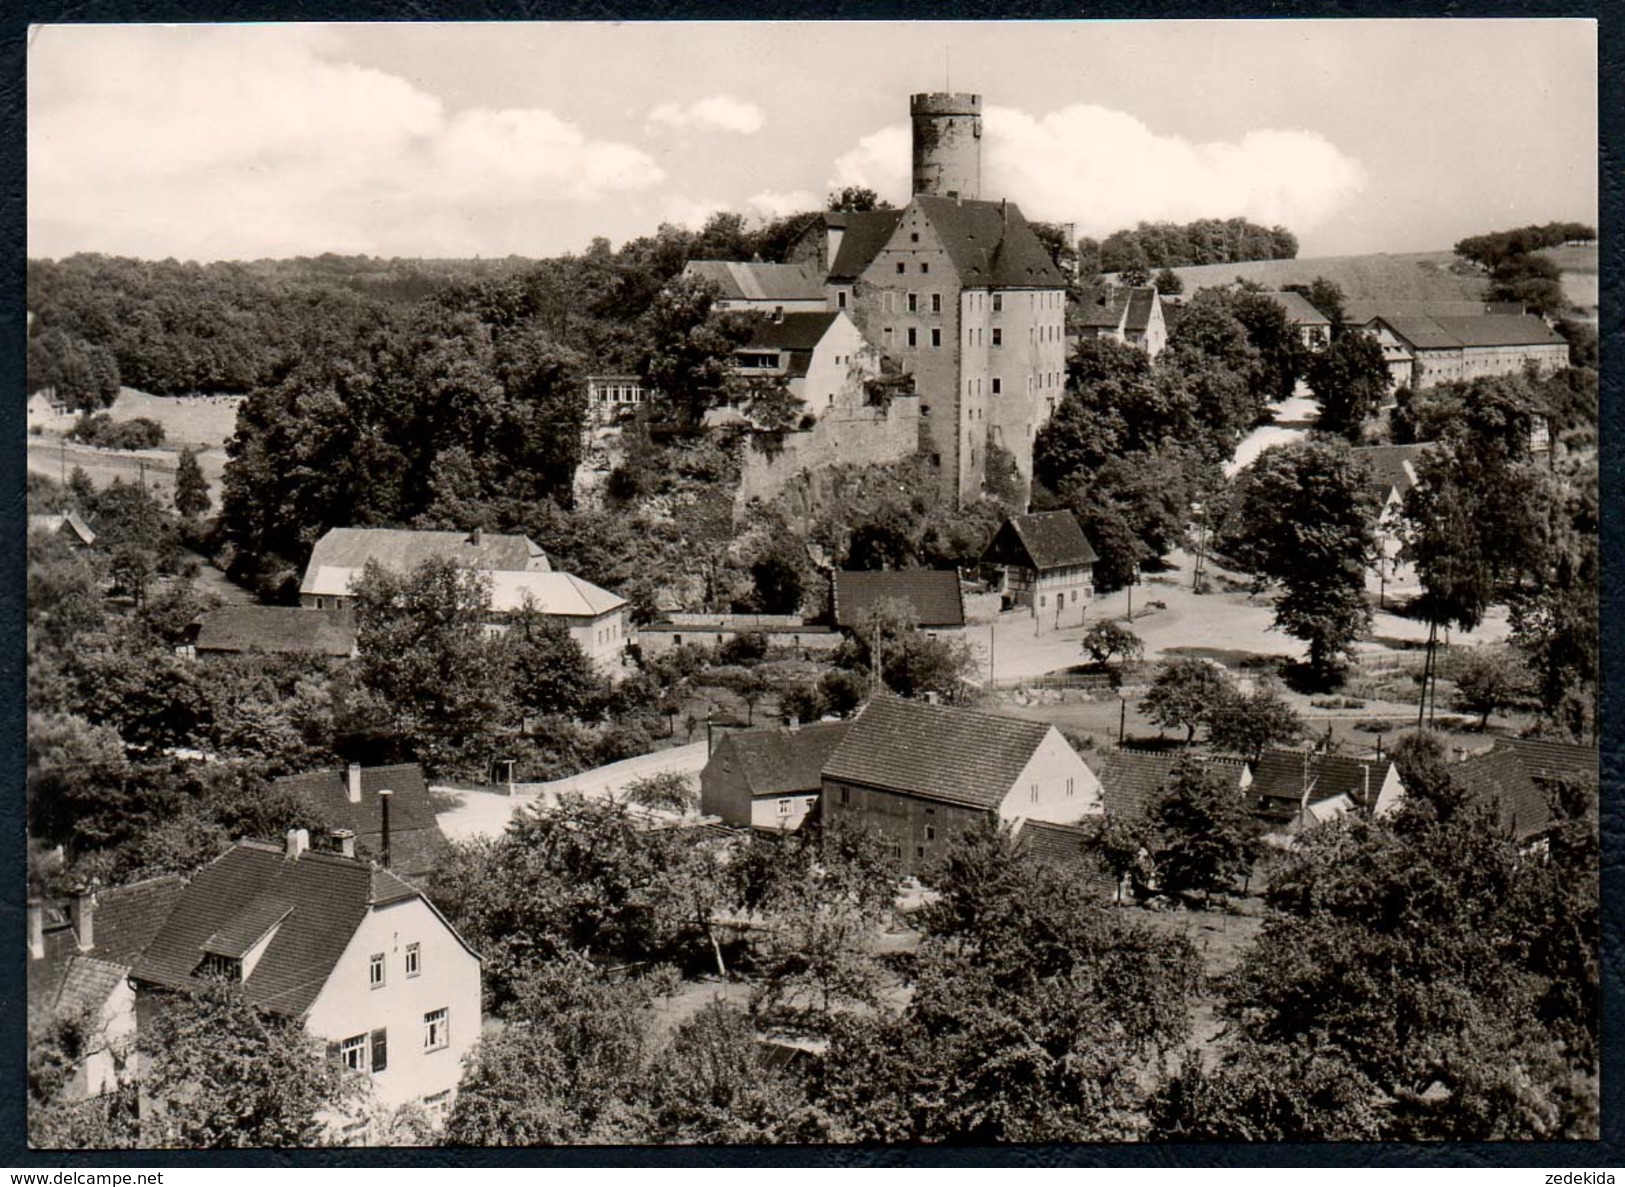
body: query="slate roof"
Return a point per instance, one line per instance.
(792, 331)
(1547, 761)
(56, 523)
(989, 243)
(1132, 782)
(330, 895)
(125, 919)
(277, 630)
(1103, 315)
(415, 840)
(1358, 312)
(781, 761)
(1141, 302)
(1279, 780)
(555, 593)
(1392, 466)
(934, 593)
(1066, 845)
(936, 752)
(343, 552)
(1042, 540)
(1298, 310)
(756, 281)
(864, 234)
(1498, 776)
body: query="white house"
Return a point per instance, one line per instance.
(360, 956)
(342, 554)
(599, 621)
(758, 287)
(922, 774)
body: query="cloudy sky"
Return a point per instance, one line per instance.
(210, 142)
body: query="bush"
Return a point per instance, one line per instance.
(103, 432)
(749, 647)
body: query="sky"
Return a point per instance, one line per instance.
(215, 142)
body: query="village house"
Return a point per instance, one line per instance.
(1422, 351)
(80, 952)
(819, 356)
(1520, 777)
(1132, 315)
(923, 774)
(342, 554)
(1134, 782)
(610, 397)
(1314, 327)
(273, 630)
(599, 621)
(1045, 563)
(756, 287)
(67, 525)
(768, 779)
(934, 597)
(1292, 790)
(1393, 474)
(361, 957)
(1071, 848)
(384, 812)
(961, 292)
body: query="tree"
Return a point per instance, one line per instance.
(78, 782)
(668, 791)
(228, 1074)
(1168, 282)
(1485, 682)
(814, 957)
(1186, 692)
(1250, 723)
(83, 375)
(191, 488)
(551, 673)
(1205, 829)
(857, 198)
(1107, 638)
(1349, 378)
(423, 648)
(1303, 518)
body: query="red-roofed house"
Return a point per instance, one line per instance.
(768, 779)
(361, 957)
(1046, 564)
(1131, 315)
(922, 774)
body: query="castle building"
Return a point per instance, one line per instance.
(961, 292)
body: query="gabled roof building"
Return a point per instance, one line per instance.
(759, 287)
(276, 630)
(1045, 563)
(342, 553)
(923, 774)
(1422, 350)
(1134, 315)
(934, 595)
(350, 799)
(1288, 785)
(768, 778)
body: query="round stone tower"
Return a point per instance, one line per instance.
(947, 144)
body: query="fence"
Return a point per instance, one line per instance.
(1090, 681)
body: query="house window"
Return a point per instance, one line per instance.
(996, 387)
(914, 302)
(1069, 784)
(380, 1050)
(375, 971)
(353, 1053)
(414, 960)
(936, 337)
(897, 850)
(936, 302)
(998, 302)
(998, 337)
(1040, 599)
(914, 237)
(846, 795)
(784, 807)
(436, 1029)
(321, 603)
(913, 336)
(840, 299)
(900, 267)
(1074, 597)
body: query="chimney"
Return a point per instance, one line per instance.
(82, 912)
(1004, 210)
(36, 929)
(384, 796)
(352, 787)
(344, 838)
(298, 842)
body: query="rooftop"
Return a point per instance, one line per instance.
(780, 761)
(936, 752)
(1298, 310)
(934, 594)
(344, 552)
(756, 281)
(415, 839)
(277, 630)
(1042, 540)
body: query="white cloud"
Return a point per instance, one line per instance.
(207, 142)
(719, 113)
(1106, 170)
(690, 212)
(770, 204)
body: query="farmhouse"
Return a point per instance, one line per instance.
(923, 774)
(362, 958)
(1423, 351)
(1294, 789)
(398, 830)
(275, 630)
(1044, 563)
(1134, 782)
(783, 632)
(1134, 316)
(768, 779)
(79, 957)
(599, 621)
(342, 553)
(933, 595)
(1393, 474)
(1498, 778)
(1314, 327)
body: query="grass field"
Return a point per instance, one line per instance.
(1419, 276)
(1580, 274)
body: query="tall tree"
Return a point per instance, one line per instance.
(1349, 379)
(191, 488)
(1206, 832)
(1186, 692)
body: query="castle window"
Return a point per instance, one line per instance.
(924, 268)
(936, 302)
(997, 384)
(998, 337)
(936, 337)
(913, 336)
(900, 267)
(914, 237)
(840, 299)
(913, 302)
(998, 302)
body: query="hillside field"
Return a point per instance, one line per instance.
(1418, 276)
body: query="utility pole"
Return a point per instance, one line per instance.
(1122, 717)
